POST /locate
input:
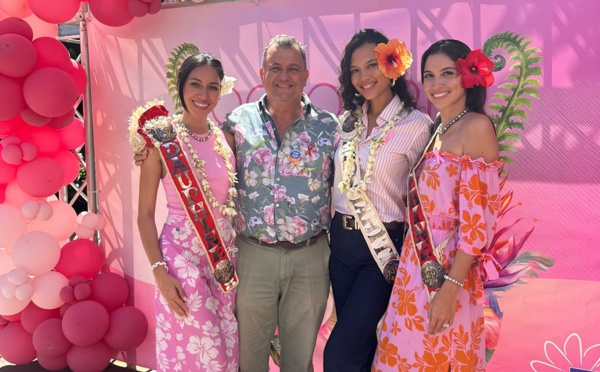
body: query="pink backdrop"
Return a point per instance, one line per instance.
(555, 176)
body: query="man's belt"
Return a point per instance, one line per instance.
(290, 245)
(350, 223)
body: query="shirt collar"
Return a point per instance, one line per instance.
(262, 105)
(388, 112)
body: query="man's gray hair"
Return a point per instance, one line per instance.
(285, 41)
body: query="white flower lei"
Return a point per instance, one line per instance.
(351, 180)
(228, 208)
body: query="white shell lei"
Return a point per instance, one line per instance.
(350, 167)
(227, 209)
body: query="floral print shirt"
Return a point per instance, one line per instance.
(284, 188)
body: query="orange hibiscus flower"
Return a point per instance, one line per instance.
(388, 352)
(393, 58)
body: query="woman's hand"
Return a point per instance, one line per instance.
(442, 308)
(172, 291)
(140, 157)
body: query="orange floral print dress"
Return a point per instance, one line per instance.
(454, 190)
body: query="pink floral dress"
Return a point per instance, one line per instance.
(454, 190)
(207, 339)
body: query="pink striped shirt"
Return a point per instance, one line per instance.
(388, 187)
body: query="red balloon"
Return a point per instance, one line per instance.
(111, 12)
(2, 193)
(138, 8)
(85, 323)
(17, 26)
(17, 55)
(80, 257)
(8, 172)
(154, 7)
(40, 177)
(77, 73)
(49, 339)
(73, 136)
(34, 119)
(51, 53)
(16, 344)
(53, 363)
(70, 165)
(109, 289)
(33, 316)
(11, 126)
(11, 96)
(45, 139)
(56, 11)
(127, 329)
(89, 358)
(50, 91)
(62, 121)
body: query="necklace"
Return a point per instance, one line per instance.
(351, 179)
(195, 136)
(437, 144)
(227, 208)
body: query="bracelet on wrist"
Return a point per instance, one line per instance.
(452, 280)
(157, 264)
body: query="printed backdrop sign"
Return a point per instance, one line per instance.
(549, 323)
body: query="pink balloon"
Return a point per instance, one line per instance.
(73, 136)
(16, 344)
(34, 119)
(45, 212)
(24, 292)
(29, 151)
(45, 139)
(11, 96)
(30, 209)
(67, 294)
(82, 291)
(53, 363)
(11, 125)
(41, 177)
(10, 306)
(36, 252)
(8, 291)
(56, 11)
(15, 8)
(138, 8)
(84, 232)
(15, 25)
(51, 53)
(77, 279)
(101, 222)
(17, 276)
(154, 7)
(109, 289)
(127, 329)
(50, 91)
(70, 165)
(77, 73)
(62, 223)
(12, 154)
(15, 196)
(85, 323)
(90, 220)
(12, 226)
(89, 358)
(46, 290)
(8, 172)
(42, 28)
(80, 257)
(49, 339)
(60, 122)
(63, 309)
(17, 55)
(111, 12)
(33, 316)
(13, 318)
(11, 140)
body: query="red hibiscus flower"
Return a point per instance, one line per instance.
(393, 58)
(475, 69)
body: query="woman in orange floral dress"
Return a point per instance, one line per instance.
(439, 327)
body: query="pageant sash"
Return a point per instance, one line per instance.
(375, 234)
(164, 138)
(419, 231)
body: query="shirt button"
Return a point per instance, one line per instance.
(278, 179)
(277, 205)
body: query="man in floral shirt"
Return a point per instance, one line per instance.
(284, 152)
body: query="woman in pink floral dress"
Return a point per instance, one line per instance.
(196, 329)
(439, 326)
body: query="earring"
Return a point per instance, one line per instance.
(392, 83)
(357, 94)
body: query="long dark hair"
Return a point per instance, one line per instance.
(455, 49)
(347, 90)
(189, 64)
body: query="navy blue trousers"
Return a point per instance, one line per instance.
(361, 296)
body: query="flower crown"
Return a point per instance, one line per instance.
(227, 85)
(475, 69)
(393, 59)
